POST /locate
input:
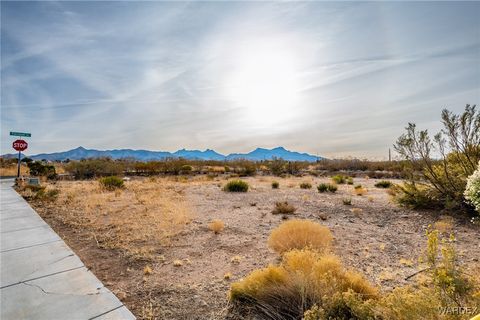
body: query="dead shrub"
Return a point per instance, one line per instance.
(299, 234)
(283, 207)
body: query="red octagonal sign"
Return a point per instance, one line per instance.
(20, 145)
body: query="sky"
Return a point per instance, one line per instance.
(334, 79)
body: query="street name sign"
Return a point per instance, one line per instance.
(20, 134)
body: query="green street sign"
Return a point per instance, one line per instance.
(20, 134)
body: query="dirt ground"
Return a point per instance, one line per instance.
(381, 240)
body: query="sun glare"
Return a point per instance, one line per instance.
(265, 82)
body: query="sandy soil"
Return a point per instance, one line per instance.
(383, 241)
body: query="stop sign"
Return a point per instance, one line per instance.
(20, 145)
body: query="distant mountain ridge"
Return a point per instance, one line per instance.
(147, 155)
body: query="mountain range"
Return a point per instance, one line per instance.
(147, 155)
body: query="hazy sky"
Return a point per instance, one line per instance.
(333, 79)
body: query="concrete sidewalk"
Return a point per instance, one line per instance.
(41, 278)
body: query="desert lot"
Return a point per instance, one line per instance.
(151, 244)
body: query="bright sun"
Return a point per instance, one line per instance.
(265, 82)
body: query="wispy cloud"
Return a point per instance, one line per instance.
(159, 75)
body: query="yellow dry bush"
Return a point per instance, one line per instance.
(216, 225)
(360, 191)
(303, 279)
(299, 234)
(259, 283)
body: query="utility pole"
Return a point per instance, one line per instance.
(389, 155)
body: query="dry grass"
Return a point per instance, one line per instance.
(11, 171)
(299, 234)
(283, 207)
(216, 226)
(136, 220)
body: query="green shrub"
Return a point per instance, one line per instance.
(275, 185)
(91, 168)
(323, 187)
(347, 201)
(277, 166)
(37, 168)
(458, 152)
(414, 195)
(186, 169)
(339, 179)
(305, 185)
(236, 186)
(349, 180)
(383, 184)
(111, 183)
(357, 186)
(472, 190)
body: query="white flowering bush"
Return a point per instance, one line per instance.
(472, 191)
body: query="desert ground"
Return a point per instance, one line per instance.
(152, 246)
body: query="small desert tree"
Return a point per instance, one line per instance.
(444, 161)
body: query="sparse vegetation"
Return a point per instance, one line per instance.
(275, 185)
(305, 185)
(347, 201)
(283, 207)
(314, 285)
(299, 234)
(324, 187)
(216, 226)
(350, 180)
(236, 186)
(383, 184)
(136, 233)
(111, 183)
(144, 225)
